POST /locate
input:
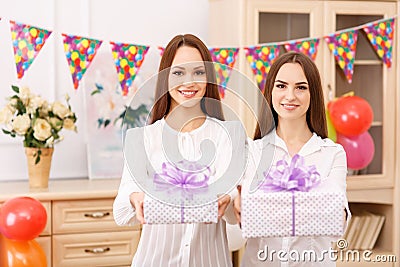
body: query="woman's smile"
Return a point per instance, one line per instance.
(188, 93)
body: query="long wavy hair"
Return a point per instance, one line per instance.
(316, 119)
(162, 97)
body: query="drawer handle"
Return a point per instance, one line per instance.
(97, 250)
(97, 214)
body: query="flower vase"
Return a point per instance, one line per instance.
(39, 173)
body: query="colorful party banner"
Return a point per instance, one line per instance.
(80, 52)
(27, 42)
(127, 58)
(309, 47)
(224, 59)
(380, 35)
(261, 59)
(343, 47)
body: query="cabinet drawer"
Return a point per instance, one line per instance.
(82, 216)
(95, 249)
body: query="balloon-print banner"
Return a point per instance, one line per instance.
(224, 59)
(380, 34)
(343, 47)
(80, 52)
(128, 58)
(28, 41)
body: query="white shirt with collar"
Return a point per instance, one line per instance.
(330, 161)
(180, 245)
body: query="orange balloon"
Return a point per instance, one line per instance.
(21, 253)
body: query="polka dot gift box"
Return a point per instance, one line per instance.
(180, 195)
(283, 214)
(284, 204)
(159, 212)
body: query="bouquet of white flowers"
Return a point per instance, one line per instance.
(38, 121)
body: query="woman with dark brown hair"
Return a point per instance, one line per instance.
(187, 111)
(163, 103)
(294, 103)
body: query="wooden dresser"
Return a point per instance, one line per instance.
(80, 228)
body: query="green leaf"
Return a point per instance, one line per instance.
(95, 92)
(6, 132)
(37, 143)
(56, 136)
(15, 88)
(37, 159)
(106, 123)
(99, 122)
(20, 107)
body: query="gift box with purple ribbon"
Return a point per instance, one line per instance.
(285, 204)
(181, 195)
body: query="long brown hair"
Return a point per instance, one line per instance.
(316, 119)
(163, 99)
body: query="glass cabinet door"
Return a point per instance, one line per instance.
(269, 22)
(372, 81)
(276, 21)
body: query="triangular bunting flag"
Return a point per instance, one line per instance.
(343, 47)
(127, 58)
(309, 47)
(80, 52)
(380, 34)
(27, 42)
(261, 59)
(224, 59)
(161, 50)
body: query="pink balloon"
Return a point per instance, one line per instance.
(359, 149)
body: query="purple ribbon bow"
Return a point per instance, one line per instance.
(296, 177)
(185, 177)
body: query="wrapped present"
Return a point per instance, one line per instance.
(283, 214)
(284, 204)
(181, 196)
(158, 212)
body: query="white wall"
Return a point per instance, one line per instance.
(150, 22)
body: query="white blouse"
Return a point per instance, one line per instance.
(181, 245)
(330, 161)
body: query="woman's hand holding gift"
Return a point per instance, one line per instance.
(223, 202)
(237, 204)
(136, 199)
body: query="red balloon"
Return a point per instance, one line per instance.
(22, 218)
(359, 150)
(15, 253)
(351, 115)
